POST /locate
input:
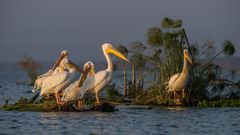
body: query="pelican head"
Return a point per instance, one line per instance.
(109, 49)
(186, 56)
(63, 54)
(89, 64)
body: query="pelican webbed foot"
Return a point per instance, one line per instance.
(97, 99)
(80, 104)
(58, 98)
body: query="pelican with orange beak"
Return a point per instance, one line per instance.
(69, 94)
(93, 84)
(178, 81)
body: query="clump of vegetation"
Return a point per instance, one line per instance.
(29, 65)
(220, 103)
(150, 98)
(162, 56)
(23, 104)
(113, 95)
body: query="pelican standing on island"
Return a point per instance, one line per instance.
(55, 69)
(68, 93)
(59, 81)
(178, 81)
(93, 84)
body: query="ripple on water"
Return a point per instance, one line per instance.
(122, 122)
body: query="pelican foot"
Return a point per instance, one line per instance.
(61, 102)
(97, 103)
(80, 104)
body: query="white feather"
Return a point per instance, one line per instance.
(39, 80)
(52, 81)
(60, 80)
(90, 85)
(171, 81)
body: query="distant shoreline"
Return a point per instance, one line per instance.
(228, 63)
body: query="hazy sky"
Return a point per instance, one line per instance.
(42, 28)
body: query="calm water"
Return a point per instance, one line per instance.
(156, 121)
(128, 120)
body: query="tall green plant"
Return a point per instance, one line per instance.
(124, 51)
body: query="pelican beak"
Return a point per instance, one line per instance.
(58, 62)
(83, 77)
(117, 53)
(76, 67)
(188, 58)
(92, 71)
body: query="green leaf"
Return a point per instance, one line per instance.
(228, 48)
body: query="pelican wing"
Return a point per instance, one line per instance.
(172, 80)
(53, 81)
(93, 82)
(73, 92)
(45, 75)
(38, 82)
(70, 93)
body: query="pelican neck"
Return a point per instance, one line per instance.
(109, 62)
(185, 68)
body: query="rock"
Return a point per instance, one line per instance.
(103, 107)
(139, 107)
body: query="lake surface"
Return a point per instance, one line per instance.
(127, 120)
(198, 121)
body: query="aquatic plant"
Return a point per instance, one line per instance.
(166, 44)
(220, 103)
(113, 95)
(29, 65)
(124, 51)
(138, 63)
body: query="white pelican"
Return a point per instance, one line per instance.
(55, 69)
(59, 81)
(178, 81)
(68, 93)
(93, 84)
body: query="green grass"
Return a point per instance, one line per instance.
(23, 104)
(220, 103)
(49, 105)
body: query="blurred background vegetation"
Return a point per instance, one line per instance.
(31, 67)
